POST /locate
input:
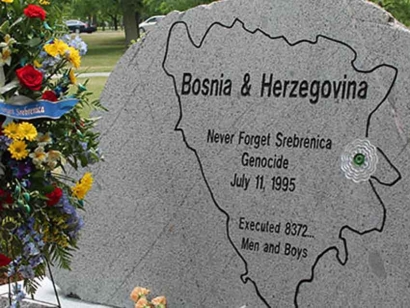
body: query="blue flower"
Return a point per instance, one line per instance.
(13, 265)
(26, 183)
(20, 232)
(84, 145)
(30, 250)
(26, 239)
(67, 207)
(50, 62)
(78, 44)
(36, 261)
(30, 223)
(26, 271)
(16, 288)
(38, 240)
(20, 296)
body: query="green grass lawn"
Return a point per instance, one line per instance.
(95, 85)
(105, 48)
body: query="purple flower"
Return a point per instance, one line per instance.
(21, 169)
(4, 143)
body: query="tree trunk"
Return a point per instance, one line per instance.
(115, 21)
(137, 19)
(131, 28)
(95, 20)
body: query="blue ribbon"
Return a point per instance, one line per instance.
(38, 109)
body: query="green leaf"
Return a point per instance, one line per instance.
(4, 28)
(48, 189)
(17, 22)
(34, 42)
(61, 256)
(38, 174)
(31, 286)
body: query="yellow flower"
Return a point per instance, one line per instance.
(51, 49)
(58, 47)
(73, 55)
(18, 149)
(79, 191)
(138, 292)
(87, 180)
(12, 131)
(62, 47)
(7, 1)
(44, 2)
(38, 156)
(73, 78)
(27, 131)
(82, 187)
(37, 64)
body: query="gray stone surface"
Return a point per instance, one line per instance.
(180, 212)
(4, 302)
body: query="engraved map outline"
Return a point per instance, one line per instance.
(228, 218)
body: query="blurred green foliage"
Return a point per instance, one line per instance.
(400, 9)
(155, 7)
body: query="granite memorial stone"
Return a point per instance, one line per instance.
(256, 155)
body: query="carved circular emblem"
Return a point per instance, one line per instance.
(359, 160)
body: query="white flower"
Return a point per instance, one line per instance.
(38, 156)
(6, 51)
(44, 139)
(359, 160)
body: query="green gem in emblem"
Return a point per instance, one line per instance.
(359, 159)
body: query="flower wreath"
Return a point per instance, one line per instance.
(45, 127)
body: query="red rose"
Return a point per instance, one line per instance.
(4, 260)
(5, 197)
(49, 96)
(54, 196)
(30, 77)
(34, 11)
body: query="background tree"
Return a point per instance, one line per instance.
(156, 7)
(86, 10)
(127, 13)
(131, 12)
(111, 10)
